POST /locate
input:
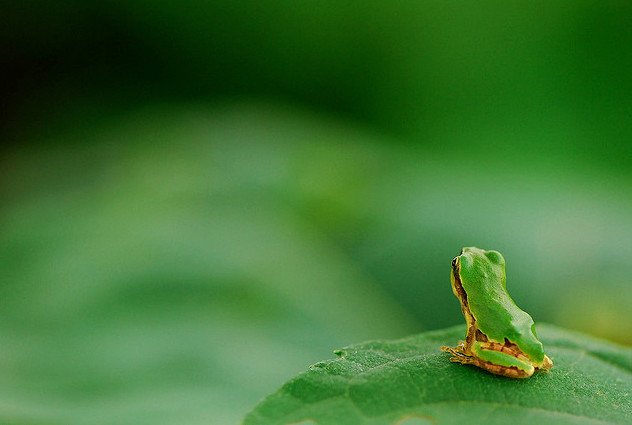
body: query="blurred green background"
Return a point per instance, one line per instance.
(199, 199)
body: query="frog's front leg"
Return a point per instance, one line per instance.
(459, 353)
(501, 360)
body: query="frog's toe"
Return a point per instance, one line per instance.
(547, 363)
(458, 356)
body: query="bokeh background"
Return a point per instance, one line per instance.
(200, 199)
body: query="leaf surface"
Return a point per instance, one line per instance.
(410, 382)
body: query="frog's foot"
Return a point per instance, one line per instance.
(458, 354)
(547, 364)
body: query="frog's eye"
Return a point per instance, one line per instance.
(495, 257)
(455, 260)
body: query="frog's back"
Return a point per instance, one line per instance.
(496, 314)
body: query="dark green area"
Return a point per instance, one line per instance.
(198, 199)
(409, 381)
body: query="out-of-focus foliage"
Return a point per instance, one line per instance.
(201, 198)
(162, 283)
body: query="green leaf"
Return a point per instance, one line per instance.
(410, 382)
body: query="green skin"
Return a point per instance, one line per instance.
(482, 275)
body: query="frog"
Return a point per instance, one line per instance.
(500, 337)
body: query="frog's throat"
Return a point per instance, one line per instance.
(457, 287)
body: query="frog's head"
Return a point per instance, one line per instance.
(472, 262)
(470, 254)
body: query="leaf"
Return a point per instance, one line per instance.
(409, 381)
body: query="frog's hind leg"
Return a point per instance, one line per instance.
(459, 356)
(508, 371)
(500, 359)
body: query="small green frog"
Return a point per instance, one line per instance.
(500, 337)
